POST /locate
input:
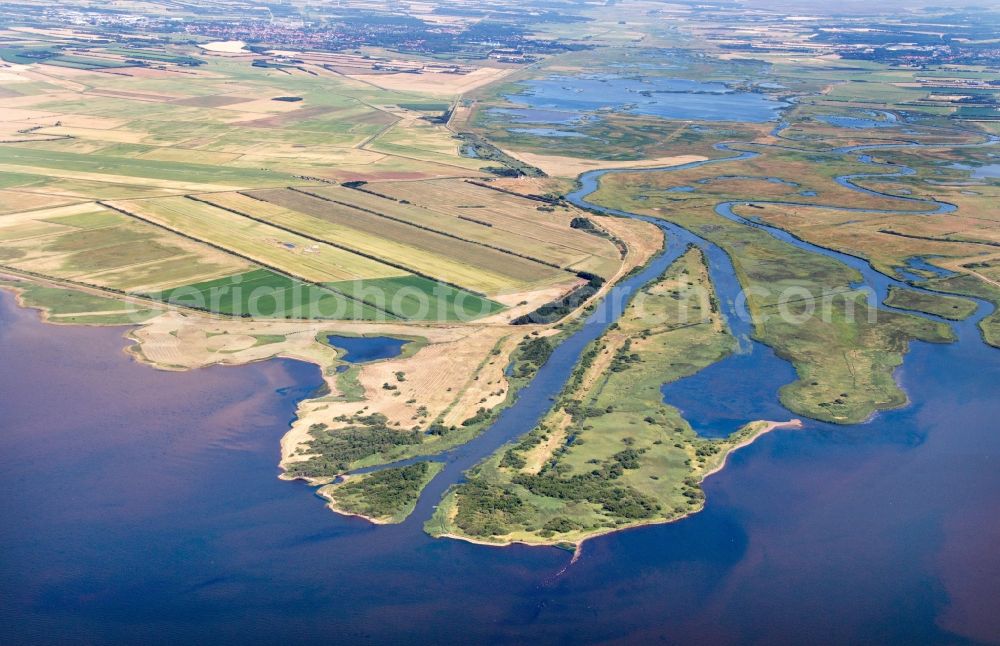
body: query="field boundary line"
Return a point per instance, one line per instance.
(427, 228)
(356, 252)
(282, 272)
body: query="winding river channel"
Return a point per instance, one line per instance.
(142, 505)
(734, 398)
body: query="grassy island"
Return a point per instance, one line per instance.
(386, 496)
(610, 454)
(949, 307)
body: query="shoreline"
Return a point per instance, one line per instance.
(134, 350)
(331, 504)
(766, 427)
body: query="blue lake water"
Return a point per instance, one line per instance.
(359, 349)
(661, 97)
(548, 132)
(719, 400)
(918, 262)
(143, 506)
(872, 119)
(526, 115)
(986, 171)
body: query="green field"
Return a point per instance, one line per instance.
(51, 162)
(420, 299)
(27, 56)
(72, 306)
(264, 293)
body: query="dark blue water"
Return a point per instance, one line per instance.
(360, 349)
(143, 506)
(720, 399)
(662, 97)
(921, 263)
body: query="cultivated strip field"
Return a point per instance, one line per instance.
(90, 244)
(264, 244)
(470, 265)
(462, 209)
(547, 234)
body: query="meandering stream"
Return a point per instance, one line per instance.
(743, 399)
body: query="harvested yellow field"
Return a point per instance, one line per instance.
(488, 217)
(272, 247)
(435, 83)
(108, 136)
(24, 114)
(469, 265)
(559, 166)
(265, 106)
(14, 201)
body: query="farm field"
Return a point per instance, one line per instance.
(262, 243)
(535, 233)
(261, 293)
(209, 158)
(88, 243)
(470, 265)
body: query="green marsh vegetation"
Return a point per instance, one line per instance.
(972, 286)
(73, 306)
(611, 453)
(804, 306)
(386, 496)
(948, 307)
